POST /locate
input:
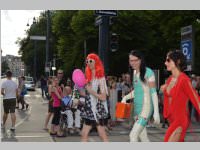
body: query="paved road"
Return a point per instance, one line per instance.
(29, 126)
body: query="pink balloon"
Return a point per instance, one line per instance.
(78, 78)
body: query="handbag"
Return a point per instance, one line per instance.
(123, 110)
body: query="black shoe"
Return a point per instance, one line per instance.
(22, 108)
(12, 129)
(27, 105)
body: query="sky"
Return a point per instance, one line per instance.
(13, 26)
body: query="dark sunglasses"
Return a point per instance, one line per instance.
(168, 60)
(60, 73)
(89, 61)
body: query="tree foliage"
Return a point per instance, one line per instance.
(153, 32)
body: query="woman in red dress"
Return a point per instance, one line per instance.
(178, 91)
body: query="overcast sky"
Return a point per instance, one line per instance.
(13, 25)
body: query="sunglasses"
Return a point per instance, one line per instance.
(60, 73)
(89, 61)
(168, 60)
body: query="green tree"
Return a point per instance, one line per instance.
(4, 67)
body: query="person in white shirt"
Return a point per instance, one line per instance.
(9, 92)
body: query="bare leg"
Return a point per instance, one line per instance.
(53, 130)
(47, 120)
(5, 117)
(84, 133)
(13, 119)
(175, 136)
(102, 133)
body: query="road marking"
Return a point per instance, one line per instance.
(20, 122)
(30, 136)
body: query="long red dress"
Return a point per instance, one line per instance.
(176, 105)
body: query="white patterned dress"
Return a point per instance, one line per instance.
(95, 112)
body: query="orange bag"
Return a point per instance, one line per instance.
(123, 110)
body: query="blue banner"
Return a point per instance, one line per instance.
(186, 47)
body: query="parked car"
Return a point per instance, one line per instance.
(29, 83)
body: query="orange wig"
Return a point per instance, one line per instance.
(99, 68)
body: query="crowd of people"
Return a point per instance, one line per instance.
(95, 104)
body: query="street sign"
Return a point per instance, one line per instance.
(186, 47)
(106, 12)
(186, 30)
(36, 37)
(98, 21)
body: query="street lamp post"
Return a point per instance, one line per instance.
(35, 61)
(47, 41)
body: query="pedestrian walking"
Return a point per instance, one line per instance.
(95, 110)
(145, 97)
(178, 91)
(23, 92)
(50, 105)
(9, 92)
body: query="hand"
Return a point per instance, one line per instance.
(156, 118)
(89, 88)
(162, 88)
(62, 85)
(124, 100)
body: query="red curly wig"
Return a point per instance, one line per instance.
(99, 68)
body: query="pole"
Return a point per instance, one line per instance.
(35, 60)
(85, 49)
(47, 40)
(54, 64)
(50, 68)
(103, 41)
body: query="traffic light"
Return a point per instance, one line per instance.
(114, 42)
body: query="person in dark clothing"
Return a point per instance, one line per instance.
(62, 82)
(43, 82)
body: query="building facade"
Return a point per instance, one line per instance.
(15, 64)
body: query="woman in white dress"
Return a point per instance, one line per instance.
(95, 110)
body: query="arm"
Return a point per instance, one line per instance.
(103, 90)
(192, 94)
(2, 91)
(56, 92)
(101, 96)
(128, 96)
(16, 92)
(154, 97)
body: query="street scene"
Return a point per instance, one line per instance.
(29, 126)
(100, 76)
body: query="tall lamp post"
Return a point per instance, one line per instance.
(35, 38)
(35, 61)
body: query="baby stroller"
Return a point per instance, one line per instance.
(66, 104)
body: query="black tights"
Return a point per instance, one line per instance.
(56, 117)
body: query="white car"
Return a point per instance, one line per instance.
(29, 83)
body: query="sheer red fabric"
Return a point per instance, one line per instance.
(177, 111)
